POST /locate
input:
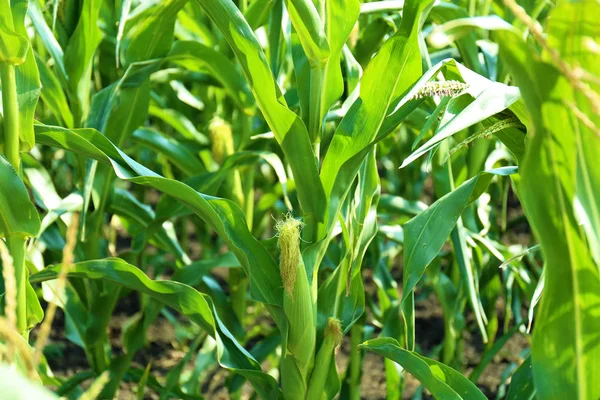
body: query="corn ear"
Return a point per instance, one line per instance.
(221, 138)
(332, 338)
(299, 310)
(288, 241)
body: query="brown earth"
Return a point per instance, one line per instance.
(164, 352)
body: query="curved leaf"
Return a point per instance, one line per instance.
(18, 216)
(13, 385)
(222, 215)
(425, 235)
(176, 152)
(311, 33)
(390, 72)
(152, 36)
(185, 300)
(195, 56)
(489, 98)
(14, 38)
(13, 47)
(442, 381)
(521, 383)
(288, 128)
(559, 177)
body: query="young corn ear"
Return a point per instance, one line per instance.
(288, 241)
(332, 338)
(299, 309)
(441, 89)
(221, 138)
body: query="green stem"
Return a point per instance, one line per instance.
(238, 285)
(11, 115)
(97, 356)
(355, 362)
(248, 188)
(16, 246)
(316, 101)
(238, 281)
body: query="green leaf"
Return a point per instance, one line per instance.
(307, 22)
(384, 6)
(444, 12)
(372, 37)
(176, 152)
(15, 386)
(443, 35)
(13, 46)
(152, 37)
(573, 21)
(342, 295)
(79, 57)
(53, 95)
(442, 381)
(12, 29)
(425, 235)
(258, 12)
(222, 215)
(197, 57)
(124, 204)
(320, 82)
(180, 123)
(521, 383)
(390, 73)
(124, 14)
(489, 98)
(185, 300)
(557, 183)
(47, 37)
(288, 128)
(35, 314)
(18, 216)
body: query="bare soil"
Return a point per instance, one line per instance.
(163, 352)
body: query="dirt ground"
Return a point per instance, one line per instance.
(67, 359)
(164, 352)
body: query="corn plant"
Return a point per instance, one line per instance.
(284, 182)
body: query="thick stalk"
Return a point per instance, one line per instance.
(16, 246)
(249, 197)
(11, 116)
(238, 280)
(355, 362)
(97, 357)
(316, 100)
(310, 234)
(238, 284)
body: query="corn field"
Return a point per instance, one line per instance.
(300, 199)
